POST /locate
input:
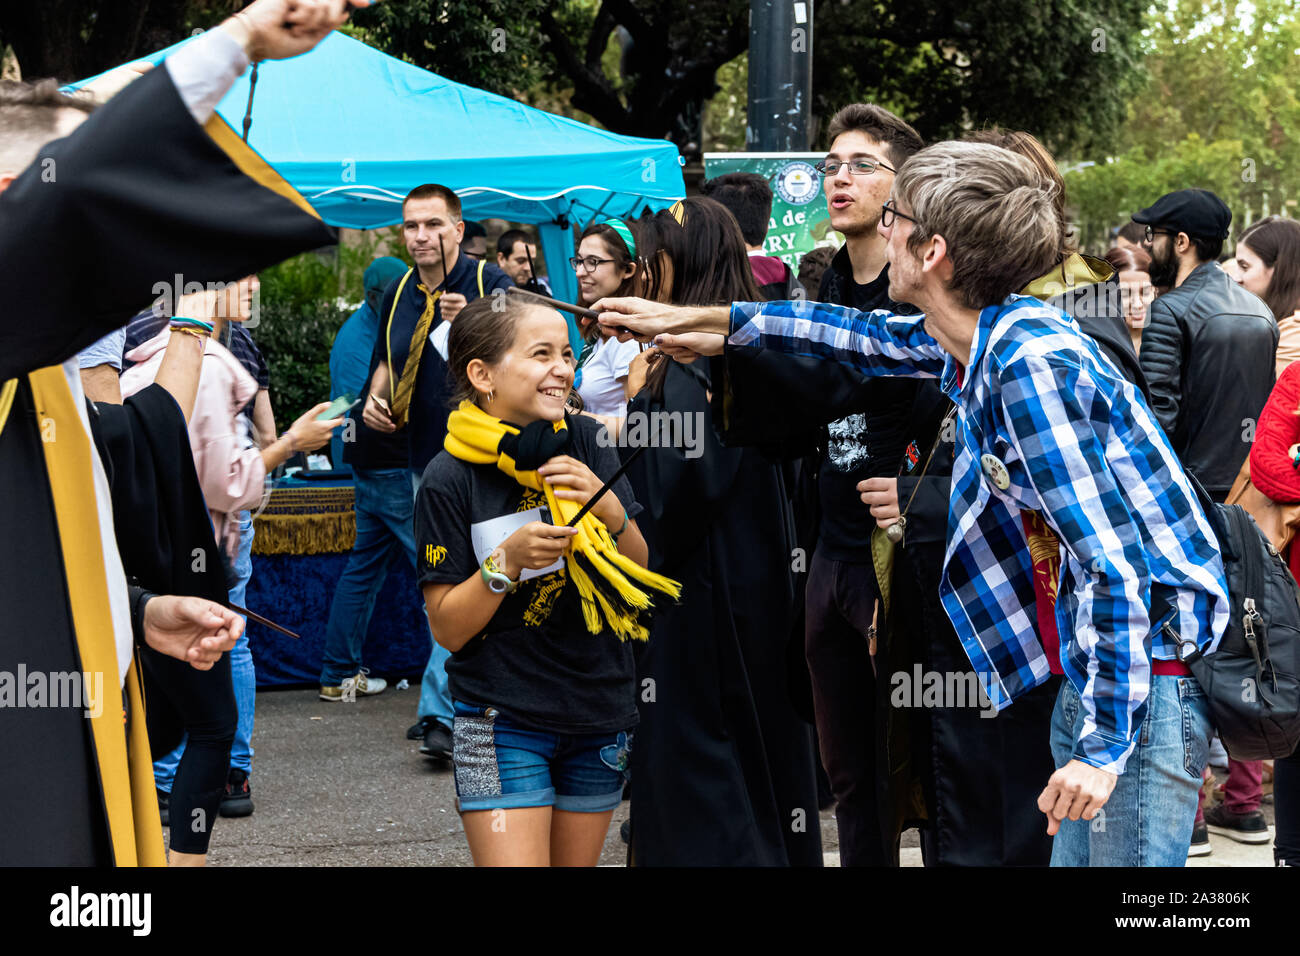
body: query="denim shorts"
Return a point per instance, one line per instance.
(501, 764)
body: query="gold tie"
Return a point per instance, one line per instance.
(406, 382)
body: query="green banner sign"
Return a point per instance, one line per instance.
(800, 218)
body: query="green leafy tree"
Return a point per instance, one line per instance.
(1061, 69)
(1220, 112)
(72, 39)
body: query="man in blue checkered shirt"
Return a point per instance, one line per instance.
(1048, 433)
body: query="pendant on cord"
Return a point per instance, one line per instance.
(895, 531)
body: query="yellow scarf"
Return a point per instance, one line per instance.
(474, 436)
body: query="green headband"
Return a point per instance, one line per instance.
(620, 227)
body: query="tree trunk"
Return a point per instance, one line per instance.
(73, 39)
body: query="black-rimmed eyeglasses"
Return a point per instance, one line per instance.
(1152, 232)
(858, 167)
(889, 211)
(587, 263)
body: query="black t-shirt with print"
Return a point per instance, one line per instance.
(868, 443)
(536, 662)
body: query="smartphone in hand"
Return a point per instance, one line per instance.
(340, 406)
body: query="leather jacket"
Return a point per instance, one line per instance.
(1207, 352)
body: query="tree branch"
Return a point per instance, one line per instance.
(599, 39)
(591, 88)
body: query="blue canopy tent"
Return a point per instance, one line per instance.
(354, 130)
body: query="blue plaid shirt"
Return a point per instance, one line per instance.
(1080, 446)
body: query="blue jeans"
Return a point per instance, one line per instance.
(242, 674)
(1148, 819)
(385, 533)
(435, 698)
(502, 764)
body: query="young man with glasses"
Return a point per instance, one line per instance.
(842, 429)
(1047, 432)
(1208, 346)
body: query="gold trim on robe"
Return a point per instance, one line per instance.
(252, 165)
(121, 752)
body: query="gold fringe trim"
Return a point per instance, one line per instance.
(306, 520)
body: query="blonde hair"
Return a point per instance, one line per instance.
(995, 210)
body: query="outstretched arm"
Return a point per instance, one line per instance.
(163, 188)
(874, 343)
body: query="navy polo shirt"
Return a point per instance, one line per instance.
(427, 418)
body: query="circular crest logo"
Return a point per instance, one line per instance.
(798, 183)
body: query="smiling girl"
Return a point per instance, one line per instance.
(537, 615)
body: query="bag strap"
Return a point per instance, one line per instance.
(1160, 606)
(938, 439)
(388, 330)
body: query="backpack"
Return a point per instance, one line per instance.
(1251, 678)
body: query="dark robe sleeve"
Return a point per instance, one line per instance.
(924, 497)
(105, 219)
(163, 530)
(765, 398)
(680, 487)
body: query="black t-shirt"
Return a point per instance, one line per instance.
(536, 662)
(867, 444)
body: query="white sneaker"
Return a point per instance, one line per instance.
(360, 684)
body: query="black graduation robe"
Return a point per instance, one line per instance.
(958, 776)
(140, 193)
(723, 768)
(978, 775)
(164, 532)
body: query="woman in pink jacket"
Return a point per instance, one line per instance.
(232, 469)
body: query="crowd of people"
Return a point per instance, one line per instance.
(917, 528)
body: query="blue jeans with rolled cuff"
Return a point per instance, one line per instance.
(385, 533)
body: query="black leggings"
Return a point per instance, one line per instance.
(1286, 803)
(180, 699)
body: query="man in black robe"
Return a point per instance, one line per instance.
(154, 173)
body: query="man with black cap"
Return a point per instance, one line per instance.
(1208, 347)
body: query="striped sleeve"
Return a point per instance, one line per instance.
(875, 343)
(1056, 418)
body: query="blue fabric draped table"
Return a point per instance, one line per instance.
(303, 536)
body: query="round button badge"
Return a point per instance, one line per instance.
(996, 471)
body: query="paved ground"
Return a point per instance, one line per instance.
(340, 785)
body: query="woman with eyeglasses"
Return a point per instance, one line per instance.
(605, 265)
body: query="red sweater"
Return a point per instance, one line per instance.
(1271, 467)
